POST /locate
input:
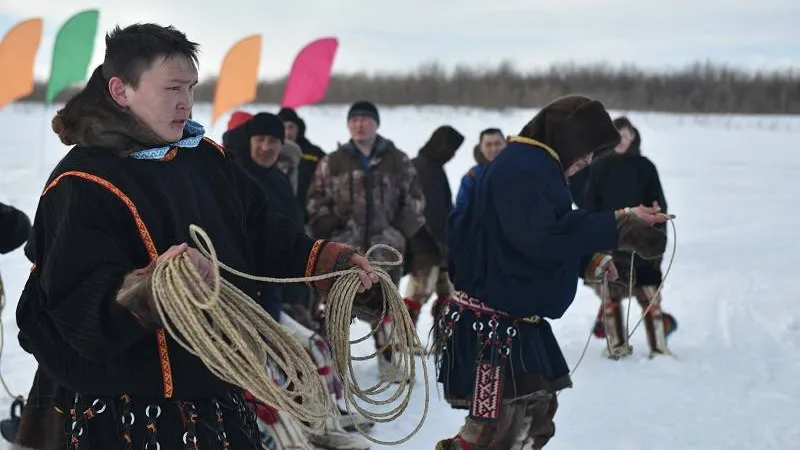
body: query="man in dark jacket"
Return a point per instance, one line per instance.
(427, 275)
(256, 146)
(119, 203)
(516, 259)
(311, 154)
(491, 142)
(625, 177)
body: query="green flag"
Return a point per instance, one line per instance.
(72, 52)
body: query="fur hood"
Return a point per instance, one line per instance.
(635, 147)
(93, 119)
(478, 154)
(442, 145)
(574, 126)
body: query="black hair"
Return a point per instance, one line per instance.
(490, 131)
(131, 50)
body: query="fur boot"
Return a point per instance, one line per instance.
(617, 345)
(283, 434)
(389, 370)
(41, 429)
(658, 324)
(336, 438)
(526, 423)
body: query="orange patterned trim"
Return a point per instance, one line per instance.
(152, 252)
(312, 258)
(171, 154)
(594, 263)
(215, 145)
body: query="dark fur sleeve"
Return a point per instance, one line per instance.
(14, 228)
(84, 248)
(330, 257)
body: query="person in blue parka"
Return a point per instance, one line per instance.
(516, 256)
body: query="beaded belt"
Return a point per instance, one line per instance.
(473, 304)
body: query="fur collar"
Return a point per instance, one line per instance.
(479, 156)
(93, 119)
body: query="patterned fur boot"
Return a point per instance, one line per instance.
(617, 345)
(389, 370)
(455, 443)
(283, 434)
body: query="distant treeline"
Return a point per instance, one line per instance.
(699, 88)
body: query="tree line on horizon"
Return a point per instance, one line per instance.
(699, 88)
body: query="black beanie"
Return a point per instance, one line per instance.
(266, 124)
(289, 115)
(364, 108)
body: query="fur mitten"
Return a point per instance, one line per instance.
(135, 294)
(638, 236)
(333, 257)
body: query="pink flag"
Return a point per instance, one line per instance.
(311, 73)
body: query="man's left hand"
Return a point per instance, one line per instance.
(366, 272)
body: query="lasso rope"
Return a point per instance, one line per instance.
(233, 336)
(654, 301)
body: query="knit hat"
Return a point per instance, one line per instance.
(289, 115)
(266, 124)
(364, 108)
(238, 118)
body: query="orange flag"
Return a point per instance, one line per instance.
(238, 76)
(17, 56)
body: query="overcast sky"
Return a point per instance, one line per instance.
(392, 35)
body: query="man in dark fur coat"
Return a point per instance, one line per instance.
(310, 157)
(515, 261)
(121, 201)
(429, 276)
(625, 177)
(255, 147)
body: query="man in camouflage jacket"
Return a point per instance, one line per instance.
(366, 193)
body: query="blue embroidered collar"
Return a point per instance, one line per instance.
(193, 133)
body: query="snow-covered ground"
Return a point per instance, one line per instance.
(731, 180)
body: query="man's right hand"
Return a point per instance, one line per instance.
(637, 233)
(652, 215)
(135, 294)
(203, 265)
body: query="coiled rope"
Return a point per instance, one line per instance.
(233, 336)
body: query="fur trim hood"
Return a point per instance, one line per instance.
(574, 126)
(93, 119)
(443, 144)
